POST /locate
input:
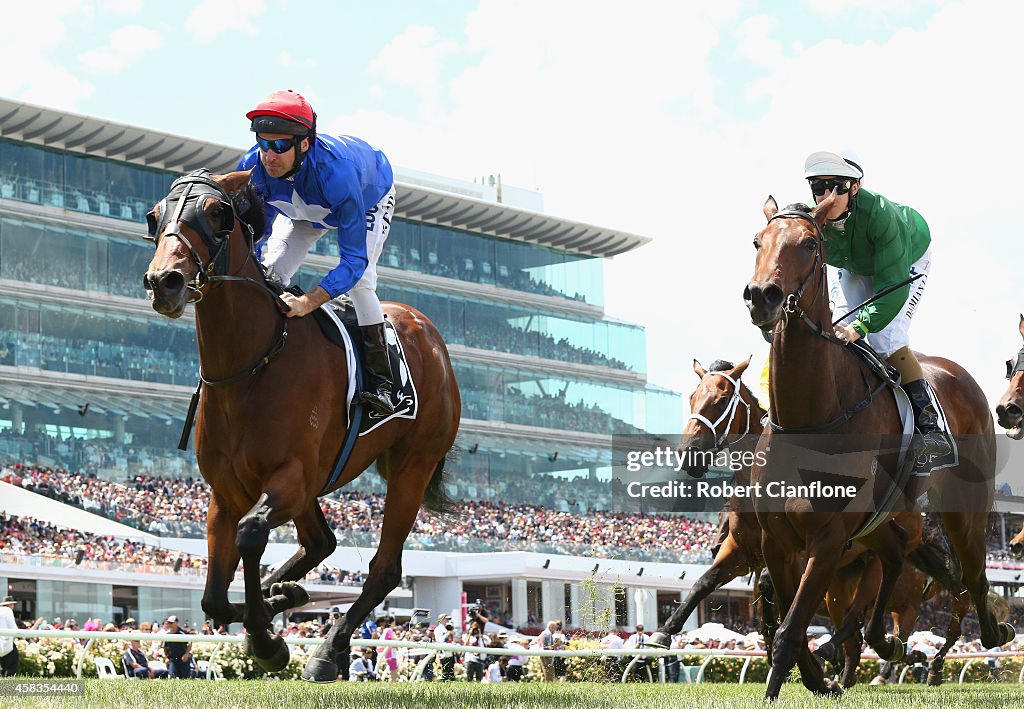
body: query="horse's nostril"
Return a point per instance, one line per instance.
(772, 295)
(746, 294)
(1009, 412)
(171, 281)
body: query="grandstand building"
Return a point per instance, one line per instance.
(92, 379)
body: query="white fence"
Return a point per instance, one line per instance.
(635, 654)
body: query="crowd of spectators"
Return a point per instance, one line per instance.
(178, 508)
(497, 334)
(29, 540)
(545, 410)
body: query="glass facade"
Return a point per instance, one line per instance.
(450, 253)
(79, 183)
(504, 327)
(65, 599)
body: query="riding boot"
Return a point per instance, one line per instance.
(378, 383)
(931, 443)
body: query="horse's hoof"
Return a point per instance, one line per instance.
(878, 681)
(277, 661)
(1008, 633)
(320, 671)
(659, 639)
(295, 593)
(934, 679)
(829, 689)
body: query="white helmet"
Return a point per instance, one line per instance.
(825, 164)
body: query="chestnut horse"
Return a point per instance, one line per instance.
(818, 386)
(272, 417)
(725, 413)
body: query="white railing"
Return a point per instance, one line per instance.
(635, 653)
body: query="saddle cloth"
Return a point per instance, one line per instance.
(340, 326)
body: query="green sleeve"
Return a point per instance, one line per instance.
(892, 254)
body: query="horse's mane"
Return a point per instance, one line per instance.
(720, 365)
(249, 208)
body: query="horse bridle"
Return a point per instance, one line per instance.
(791, 304)
(189, 195)
(1013, 367)
(730, 412)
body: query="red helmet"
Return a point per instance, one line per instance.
(283, 112)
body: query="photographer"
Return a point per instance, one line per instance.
(478, 617)
(475, 661)
(445, 633)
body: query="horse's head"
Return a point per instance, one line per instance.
(790, 251)
(1017, 544)
(1010, 409)
(717, 411)
(198, 230)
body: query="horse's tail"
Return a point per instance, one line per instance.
(435, 497)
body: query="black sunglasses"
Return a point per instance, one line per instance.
(841, 185)
(278, 145)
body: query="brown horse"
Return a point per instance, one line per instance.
(818, 386)
(272, 417)
(1010, 409)
(726, 413)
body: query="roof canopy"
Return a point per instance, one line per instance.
(105, 139)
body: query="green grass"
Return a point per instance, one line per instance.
(183, 694)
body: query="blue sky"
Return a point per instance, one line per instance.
(669, 119)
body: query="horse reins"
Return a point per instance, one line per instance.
(791, 306)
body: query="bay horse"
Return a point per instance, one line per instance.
(1010, 407)
(726, 414)
(271, 418)
(818, 386)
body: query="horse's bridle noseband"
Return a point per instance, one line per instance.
(730, 411)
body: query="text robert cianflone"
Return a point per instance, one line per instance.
(668, 457)
(706, 489)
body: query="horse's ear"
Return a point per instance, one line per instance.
(1020, 327)
(233, 181)
(820, 213)
(740, 368)
(771, 207)
(699, 369)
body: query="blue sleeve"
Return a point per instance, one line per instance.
(342, 190)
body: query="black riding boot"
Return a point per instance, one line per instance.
(376, 394)
(930, 444)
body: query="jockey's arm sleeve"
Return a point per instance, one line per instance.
(342, 189)
(892, 248)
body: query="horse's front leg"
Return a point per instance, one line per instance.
(221, 523)
(316, 543)
(269, 650)
(799, 600)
